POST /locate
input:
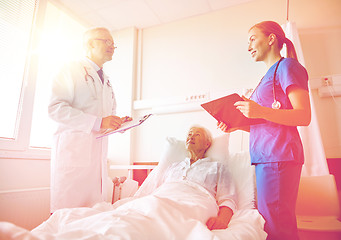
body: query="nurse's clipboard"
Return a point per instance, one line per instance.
(223, 110)
(126, 126)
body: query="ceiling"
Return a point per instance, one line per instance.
(120, 14)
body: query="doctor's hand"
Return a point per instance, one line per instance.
(111, 122)
(249, 108)
(126, 119)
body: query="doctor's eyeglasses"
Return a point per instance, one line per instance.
(108, 42)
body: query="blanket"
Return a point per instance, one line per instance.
(176, 210)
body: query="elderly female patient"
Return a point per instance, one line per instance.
(211, 175)
(183, 201)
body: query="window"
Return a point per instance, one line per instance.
(16, 24)
(36, 38)
(61, 41)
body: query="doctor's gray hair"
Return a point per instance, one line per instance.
(91, 34)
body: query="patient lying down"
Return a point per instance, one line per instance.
(191, 198)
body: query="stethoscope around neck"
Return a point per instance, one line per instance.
(94, 89)
(276, 104)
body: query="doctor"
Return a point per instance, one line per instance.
(83, 104)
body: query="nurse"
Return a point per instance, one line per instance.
(83, 104)
(282, 99)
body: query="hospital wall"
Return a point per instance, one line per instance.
(199, 55)
(208, 55)
(24, 190)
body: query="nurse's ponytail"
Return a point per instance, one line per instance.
(291, 52)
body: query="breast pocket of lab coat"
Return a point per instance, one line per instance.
(74, 150)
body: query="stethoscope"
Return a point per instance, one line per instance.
(87, 76)
(94, 91)
(276, 104)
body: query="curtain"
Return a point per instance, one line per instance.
(315, 158)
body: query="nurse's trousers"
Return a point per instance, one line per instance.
(277, 189)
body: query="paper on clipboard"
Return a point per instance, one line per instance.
(126, 126)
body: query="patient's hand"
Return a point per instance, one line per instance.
(216, 223)
(222, 220)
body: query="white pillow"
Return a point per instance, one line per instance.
(238, 164)
(243, 173)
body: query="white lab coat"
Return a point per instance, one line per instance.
(79, 175)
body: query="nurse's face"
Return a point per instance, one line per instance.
(258, 45)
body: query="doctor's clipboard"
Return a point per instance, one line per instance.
(126, 126)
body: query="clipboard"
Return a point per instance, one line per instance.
(223, 110)
(126, 126)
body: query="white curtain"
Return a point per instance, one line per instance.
(315, 158)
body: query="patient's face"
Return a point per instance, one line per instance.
(197, 139)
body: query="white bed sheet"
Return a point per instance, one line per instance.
(177, 210)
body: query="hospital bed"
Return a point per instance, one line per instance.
(164, 217)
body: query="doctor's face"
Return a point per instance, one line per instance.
(102, 46)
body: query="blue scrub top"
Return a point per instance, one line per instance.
(272, 142)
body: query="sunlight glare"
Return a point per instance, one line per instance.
(61, 42)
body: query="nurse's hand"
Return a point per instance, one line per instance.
(249, 108)
(111, 122)
(225, 128)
